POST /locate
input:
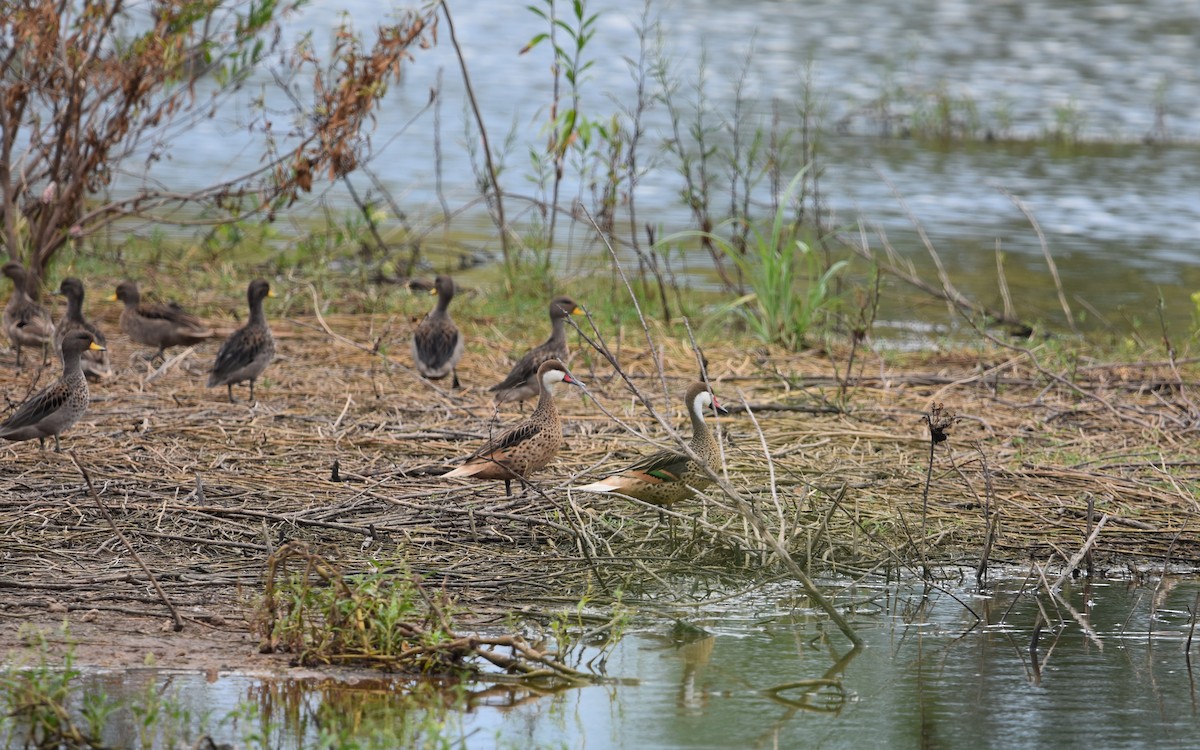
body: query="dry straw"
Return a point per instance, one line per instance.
(341, 452)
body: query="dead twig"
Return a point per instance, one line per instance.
(162, 595)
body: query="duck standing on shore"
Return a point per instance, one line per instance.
(668, 476)
(521, 382)
(530, 445)
(160, 326)
(59, 405)
(249, 349)
(96, 363)
(437, 343)
(25, 321)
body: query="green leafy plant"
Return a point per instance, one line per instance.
(382, 618)
(792, 288)
(1068, 125)
(569, 132)
(566, 122)
(326, 617)
(36, 704)
(47, 704)
(941, 115)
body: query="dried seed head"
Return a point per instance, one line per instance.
(939, 420)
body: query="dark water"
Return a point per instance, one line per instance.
(930, 675)
(1120, 221)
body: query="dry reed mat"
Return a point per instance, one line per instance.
(343, 449)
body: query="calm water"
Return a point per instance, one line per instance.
(1121, 221)
(929, 676)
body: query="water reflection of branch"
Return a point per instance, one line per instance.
(300, 708)
(503, 697)
(1079, 618)
(1032, 668)
(1187, 651)
(1035, 665)
(1033, 653)
(900, 560)
(828, 687)
(811, 688)
(1073, 563)
(816, 688)
(925, 602)
(1020, 593)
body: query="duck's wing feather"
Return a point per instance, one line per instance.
(663, 466)
(31, 312)
(171, 314)
(436, 342)
(67, 325)
(238, 350)
(522, 371)
(38, 407)
(33, 319)
(515, 436)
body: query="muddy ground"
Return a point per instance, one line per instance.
(1045, 446)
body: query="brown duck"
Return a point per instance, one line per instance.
(437, 343)
(25, 321)
(249, 349)
(521, 382)
(95, 363)
(59, 405)
(530, 445)
(667, 477)
(160, 326)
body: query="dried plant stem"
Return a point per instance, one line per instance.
(902, 269)
(1033, 649)
(762, 440)
(991, 521)
(741, 505)
(1187, 651)
(961, 302)
(810, 588)
(1057, 378)
(1058, 286)
(125, 540)
(493, 176)
(1078, 556)
(1002, 281)
(925, 507)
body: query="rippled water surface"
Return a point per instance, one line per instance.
(1120, 220)
(930, 675)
